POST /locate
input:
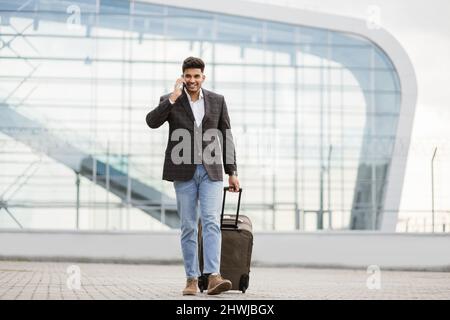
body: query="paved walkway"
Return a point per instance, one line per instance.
(50, 280)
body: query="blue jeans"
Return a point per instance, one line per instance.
(209, 193)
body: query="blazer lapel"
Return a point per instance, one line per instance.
(187, 106)
(208, 105)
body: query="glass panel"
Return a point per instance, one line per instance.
(304, 103)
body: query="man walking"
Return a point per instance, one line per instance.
(197, 179)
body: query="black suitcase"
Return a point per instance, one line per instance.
(237, 245)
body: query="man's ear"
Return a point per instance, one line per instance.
(203, 77)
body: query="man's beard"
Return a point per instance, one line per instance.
(194, 90)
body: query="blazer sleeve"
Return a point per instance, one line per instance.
(160, 114)
(228, 148)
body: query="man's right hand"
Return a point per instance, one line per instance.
(177, 89)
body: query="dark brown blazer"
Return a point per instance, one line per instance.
(179, 115)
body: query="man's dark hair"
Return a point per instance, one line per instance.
(193, 62)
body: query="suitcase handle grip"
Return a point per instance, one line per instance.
(226, 217)
(225, 189)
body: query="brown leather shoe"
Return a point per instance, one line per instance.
(217, 284)
(191, 287)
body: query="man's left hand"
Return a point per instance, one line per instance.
(233, 183)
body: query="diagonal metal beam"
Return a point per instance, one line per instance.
(25, 79)
(19, 177)
(41, 139)
(12, 216)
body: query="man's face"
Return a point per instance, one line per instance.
(194, 78)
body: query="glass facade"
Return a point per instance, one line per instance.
(314, 114)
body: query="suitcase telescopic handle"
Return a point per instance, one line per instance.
(225, 189)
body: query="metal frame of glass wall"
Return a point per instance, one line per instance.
(314, 112)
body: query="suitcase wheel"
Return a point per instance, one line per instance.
(203, 282)
(243, 282)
